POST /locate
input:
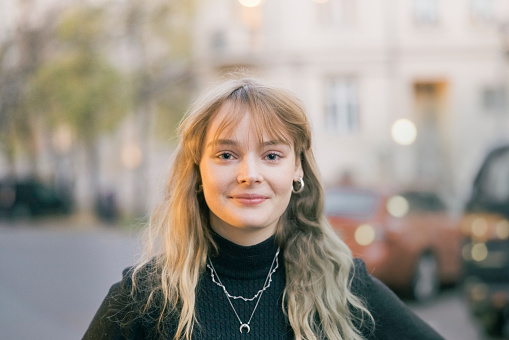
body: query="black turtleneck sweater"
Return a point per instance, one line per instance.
(243, 271)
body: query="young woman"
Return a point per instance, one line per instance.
(240, 248)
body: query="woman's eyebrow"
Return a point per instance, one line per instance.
(222, 142)
(275, 142)
(234, 142)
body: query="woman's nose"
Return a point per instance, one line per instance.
(249, 171)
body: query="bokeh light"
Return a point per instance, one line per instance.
(131, 155)
(404, 132)
(250, 3)
(479, 227)
(502, 229)
(365, 234)
(479, 252)
(466, 252)
(397, 206)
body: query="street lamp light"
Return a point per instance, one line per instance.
(250, 3)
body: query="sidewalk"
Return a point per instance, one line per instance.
(74, 222)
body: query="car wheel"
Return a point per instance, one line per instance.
(426, 283)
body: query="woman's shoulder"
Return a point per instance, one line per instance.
(393, 319)
(360, 279)
(122, 311)
(133, 289)
(141, 282)
(140, 274)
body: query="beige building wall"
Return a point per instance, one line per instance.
(437, 63)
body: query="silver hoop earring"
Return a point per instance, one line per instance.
(301, 186)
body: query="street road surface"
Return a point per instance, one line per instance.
(54, 275)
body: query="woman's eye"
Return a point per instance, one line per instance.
(225, 156)
(273, 156)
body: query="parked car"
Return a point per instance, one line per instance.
(31, 198)
(486, 251)
(408, 240)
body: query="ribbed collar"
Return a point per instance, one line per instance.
(240, 262)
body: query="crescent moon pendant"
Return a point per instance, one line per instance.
(244, 325)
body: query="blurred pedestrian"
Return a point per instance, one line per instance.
(239, 247)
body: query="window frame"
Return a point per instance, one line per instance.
(341, 105)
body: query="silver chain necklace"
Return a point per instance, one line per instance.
(268, 280)
(213, 274)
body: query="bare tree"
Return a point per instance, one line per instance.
(78, 86)
(20, 56)
(159, 40)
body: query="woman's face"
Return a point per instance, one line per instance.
(247, 184)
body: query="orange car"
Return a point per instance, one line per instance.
(408, 240)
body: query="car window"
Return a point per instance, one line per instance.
(350, 203)
(491, 186)
(495, 186)
(424, 202)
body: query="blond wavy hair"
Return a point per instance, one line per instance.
(317, 296)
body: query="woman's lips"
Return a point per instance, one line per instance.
(249, 199)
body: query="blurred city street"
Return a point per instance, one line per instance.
(408, 103)
(53, 279)
(55, 275)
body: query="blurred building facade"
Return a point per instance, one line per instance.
(360, 65)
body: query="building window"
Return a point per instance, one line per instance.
(342, 106)
(494, 99)
(336, 12)
(426, 12)
(481, 11)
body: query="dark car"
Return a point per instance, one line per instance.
(31, 198)
(486, 250)
(407, 239)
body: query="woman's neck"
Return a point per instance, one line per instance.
(251, 261)
(243, 236)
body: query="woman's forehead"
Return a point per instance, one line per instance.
(233, 120)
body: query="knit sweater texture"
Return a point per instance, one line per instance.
(243, 271)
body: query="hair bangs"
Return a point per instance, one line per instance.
(268, 123)
(265, 118)
(279, 115)
(231, 118)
